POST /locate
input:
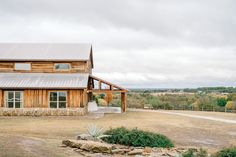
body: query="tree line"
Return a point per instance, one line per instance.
(202, 101)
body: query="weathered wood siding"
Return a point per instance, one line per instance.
(40, 98)
(6, 67)
(1, 98)
(77, 98)
(42, 67)
(48, 67)
(36, 98)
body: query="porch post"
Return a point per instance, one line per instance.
(123, 102)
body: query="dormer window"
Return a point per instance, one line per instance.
(22, 66)
(62, 66)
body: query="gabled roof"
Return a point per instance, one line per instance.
(43, 81)
(45, 52)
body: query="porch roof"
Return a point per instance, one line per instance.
(43, 81)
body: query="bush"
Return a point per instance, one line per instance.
(154, 102)
(189, 153)
(137, 138)
(227, 152)
(102, 102)
(221, 102)
(195, 153)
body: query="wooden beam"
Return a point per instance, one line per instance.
(111, 87)
(106, 91)
(108, 83)
(99, 85)
(123, 102)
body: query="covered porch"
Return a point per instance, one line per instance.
(97, 85)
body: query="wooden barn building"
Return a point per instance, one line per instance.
(49, 79)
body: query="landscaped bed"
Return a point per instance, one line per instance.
(123, 142)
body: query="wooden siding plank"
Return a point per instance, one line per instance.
(1, 98)
(48, 67)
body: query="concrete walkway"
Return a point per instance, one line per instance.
(188, 115)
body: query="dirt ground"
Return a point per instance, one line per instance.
(42, 136)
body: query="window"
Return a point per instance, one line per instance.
(62, 66)
(14, 99)
(58, 99)
(22, 66)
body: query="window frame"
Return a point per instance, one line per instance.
(57, 101)
(28, 63)
(6, 99)
(62, 69)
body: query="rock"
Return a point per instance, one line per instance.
(84, 137)
(96, 147)
(135, 152)
(72, 143)
(78, 150)
(62, 145)
(91, 146)
(67, 143)
(118, 151)
(146, 154)
(147, 150)
(172, 154)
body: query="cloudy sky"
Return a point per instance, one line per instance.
(136, 43)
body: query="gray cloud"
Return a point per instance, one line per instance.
(137, 43)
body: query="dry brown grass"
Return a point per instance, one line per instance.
(40, 136)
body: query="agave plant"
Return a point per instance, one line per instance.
(96, 132)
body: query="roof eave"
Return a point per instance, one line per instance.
(62, 88)
(42, 60)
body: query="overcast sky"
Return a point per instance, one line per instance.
(136, 43)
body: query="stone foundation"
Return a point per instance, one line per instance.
(42, 112)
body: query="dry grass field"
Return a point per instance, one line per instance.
(41, 136)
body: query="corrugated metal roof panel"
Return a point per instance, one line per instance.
(45, 51)
(43, 81)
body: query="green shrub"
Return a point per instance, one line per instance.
(195, 153)
(202, 153)
(189, 153)
(227, 152)
(137, 138)
(221, 102)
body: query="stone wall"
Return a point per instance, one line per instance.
(42, 112)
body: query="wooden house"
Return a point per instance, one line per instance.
(49, 78)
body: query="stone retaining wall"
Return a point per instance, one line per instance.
(42, 112)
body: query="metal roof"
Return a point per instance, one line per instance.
(45, 51)
(43, 81)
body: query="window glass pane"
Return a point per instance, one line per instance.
(62, 96)
(10, 95)
(53, 105)
(62, 105)
(17, 95)
(10, 104)
(22, 66)
(62, 66)
(17, 104)
(53, 96)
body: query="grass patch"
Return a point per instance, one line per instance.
(195, 153)
(227, 152)
(137, 138)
